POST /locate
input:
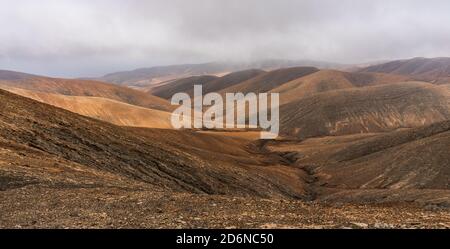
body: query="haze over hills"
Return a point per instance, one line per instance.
(82, 88)
(146, 77)
(435, 70)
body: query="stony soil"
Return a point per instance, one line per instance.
(43, 207)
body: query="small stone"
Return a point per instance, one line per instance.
(360, 225)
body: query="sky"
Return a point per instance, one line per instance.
(88, 38)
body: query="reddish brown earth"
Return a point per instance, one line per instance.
(331, 80)
(435, 70)
(109, 110)
(365, 110)
(87, 88)
(357, 150)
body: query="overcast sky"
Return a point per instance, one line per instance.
(75, 38)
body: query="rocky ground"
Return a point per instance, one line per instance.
(62, 170)
(45, 207)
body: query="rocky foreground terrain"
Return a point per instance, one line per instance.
(68, 207)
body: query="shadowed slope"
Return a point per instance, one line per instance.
(435, 70)
(416, 158)
(185, 85)
(409, 165)
(146, 78)
(231, 80)
(39, 133)
(208, 82)
(269, 80)
(365, 110)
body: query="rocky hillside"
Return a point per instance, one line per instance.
(365, 110)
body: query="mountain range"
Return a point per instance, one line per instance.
(366, 142)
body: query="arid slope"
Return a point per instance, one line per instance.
(364, 110)
(330, 80)
(435, 70)
(269, 80)
(36, 139)
(82, 88)
(108, 110)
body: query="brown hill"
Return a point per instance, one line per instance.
(409, 159)
(185, 85)
(44, 145)
(329, 80)
(210, 83)
(145, 77)
(413, 158)
(231, 80)
(148, 77)
(364, 110)
(82, 88)
(108, 110)
(435, 70)
(270, 80)
(409, 165)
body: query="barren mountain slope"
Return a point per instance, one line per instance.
(148, 77)
(269, 80)
(365, 110)
(145, 77)
(230, 80)
(108, 110)
(435, 70)
(409, 165)
(60, 169)
(329, 80)
(414, 158)
(185, 85)
(417, 158)
(197, 164)
(82, 88)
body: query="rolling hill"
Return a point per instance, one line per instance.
(210, 83)
(82, 88)
(185, 85)
(403, 166)
(410, 159)
(108, 110)
(365, 110)
(330, 80)
(148, 77)
(230, 80)
(435, 70)
(269, 80)
(48, 146)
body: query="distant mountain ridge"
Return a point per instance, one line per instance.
(154, 75)
(435, 70)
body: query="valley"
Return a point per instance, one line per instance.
(365, 149)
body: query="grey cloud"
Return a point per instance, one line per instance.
(86, 38)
